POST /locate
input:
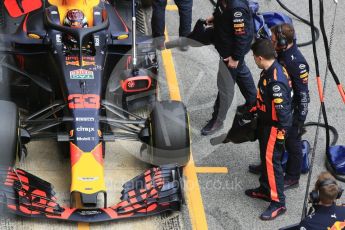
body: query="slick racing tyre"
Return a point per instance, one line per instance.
(169, 134)
(8, 133)
(4, 84)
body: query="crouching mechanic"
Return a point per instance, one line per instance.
(326, 214)
(283, 38)
(274, 113)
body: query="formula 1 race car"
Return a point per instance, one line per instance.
(73, 72)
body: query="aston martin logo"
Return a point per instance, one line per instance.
(81, 74)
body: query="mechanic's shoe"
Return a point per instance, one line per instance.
(255, 169)
(184, 48)
(211, 127)
(274, 210)
(290, 184)
(257, 193)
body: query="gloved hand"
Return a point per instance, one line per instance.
(300, 127)
(247, 112)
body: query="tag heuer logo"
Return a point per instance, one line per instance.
(276, 88)
(238, 14)
(81, 74)
(302, 66)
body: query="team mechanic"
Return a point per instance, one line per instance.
(326, 214)
(283, 38)
(274, 114)
(232, 36)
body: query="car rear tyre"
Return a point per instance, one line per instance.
(4, 84)
(169, 134)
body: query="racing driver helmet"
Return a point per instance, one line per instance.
(76, 19)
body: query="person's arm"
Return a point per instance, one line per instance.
(281, 108)
(299, 76)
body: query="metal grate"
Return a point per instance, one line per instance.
(141, 23)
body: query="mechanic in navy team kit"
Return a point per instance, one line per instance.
(326, 214)
(274, 114)
(232, 37)
(283, 38)
(158, 20)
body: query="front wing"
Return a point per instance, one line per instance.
(155, 191)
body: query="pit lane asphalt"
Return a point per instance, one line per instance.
(224, 201)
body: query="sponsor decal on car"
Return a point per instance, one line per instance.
(58, 39)
(84, 119)
(89, 213)
(88, 179)
(85, 129)
(96, 40)
(85, 138)
(81, 74)
(83, 101)
(74, 61)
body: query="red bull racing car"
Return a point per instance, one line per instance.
(68, 74)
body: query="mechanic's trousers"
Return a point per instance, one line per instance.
(293, 146)
(158, 17)
(226, 79)
(272, 177)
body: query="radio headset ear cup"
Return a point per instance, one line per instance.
(340, 192)
(275, 54)
(281, 39)
(314, 196)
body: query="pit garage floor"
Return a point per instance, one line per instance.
(217, 177)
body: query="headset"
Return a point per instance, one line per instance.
(282, 42)
(314, 195)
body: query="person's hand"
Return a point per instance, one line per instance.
(247, 111)
(231, 63)
(209, 21)
(300, 128)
